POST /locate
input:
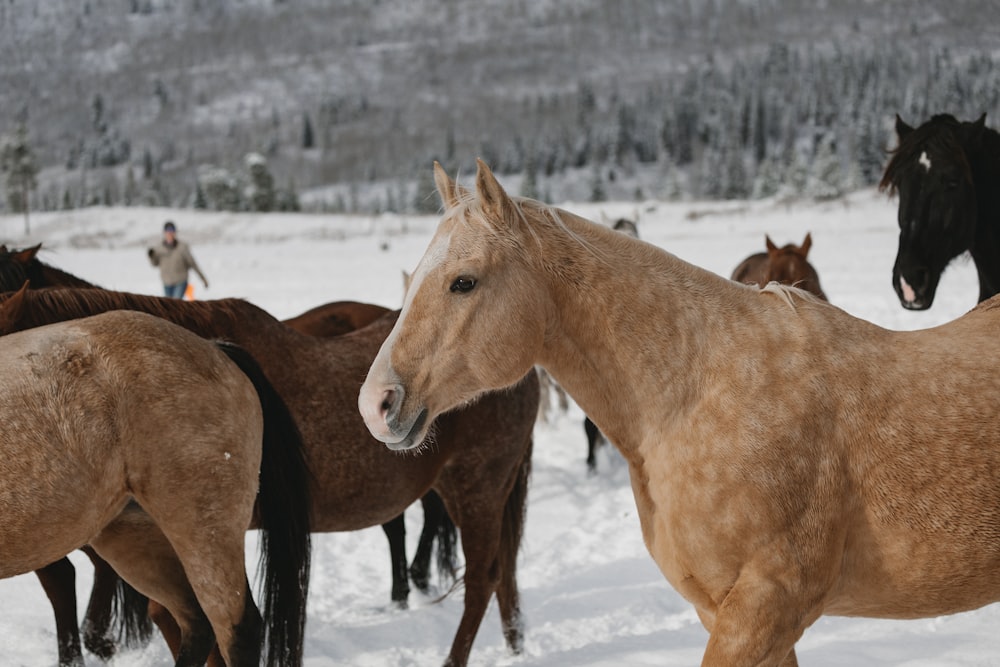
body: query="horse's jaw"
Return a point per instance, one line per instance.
(405, 439)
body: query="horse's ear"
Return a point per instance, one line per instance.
(407, 277)
(771, 247)
(11, 309)
(26, 255)
(977, 128)
(446, 187)
(806, 244)
(902, 129)
(492, 196)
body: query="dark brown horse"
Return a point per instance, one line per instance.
(335, 319)
(93, 453)
(114, 604)
(787, 265)
(479, 463)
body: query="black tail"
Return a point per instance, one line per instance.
(283, 507)
(447, 539)
(130, 616)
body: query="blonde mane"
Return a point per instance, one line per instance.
(536, 217)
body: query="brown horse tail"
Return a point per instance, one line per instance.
(514, 514)
(283, 507)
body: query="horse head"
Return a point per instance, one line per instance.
(931, 172)
(443, 350)
(18, 266)
(789, 265)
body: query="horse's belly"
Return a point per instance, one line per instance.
(916, 580)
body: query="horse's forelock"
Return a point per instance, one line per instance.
(939, 135)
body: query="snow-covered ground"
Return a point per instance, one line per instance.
(591, 594)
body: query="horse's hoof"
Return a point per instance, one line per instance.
(103, 647)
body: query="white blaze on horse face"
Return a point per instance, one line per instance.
(925, 160)
(382, 376)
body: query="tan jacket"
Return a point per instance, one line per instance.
(175, 262)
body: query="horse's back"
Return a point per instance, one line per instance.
(907, 423)
(336, 318)
(94, 409)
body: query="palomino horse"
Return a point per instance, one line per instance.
(92, 435)
(787, 265)
(355, 483)
(946, 173)
(788, 460)
(114, 604)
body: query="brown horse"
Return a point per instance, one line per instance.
(335, 319)
(93, 453)
(787, 265)
(355, 483)
(788, 460)
(113, 604)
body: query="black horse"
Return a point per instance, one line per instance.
(947, 175)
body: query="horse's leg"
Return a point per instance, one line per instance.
(593, 440)
(97, 619)
(395, 531)
(757, 623)
(490, 539)
(480, 543)
(434, 516)
(58, 580)
(210, 550)
(136, 548)
(172, 633)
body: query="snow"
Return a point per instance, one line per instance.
(591, 595)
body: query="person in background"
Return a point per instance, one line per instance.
(175, 260)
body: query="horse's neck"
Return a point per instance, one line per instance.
(985, 250)
(631, 346)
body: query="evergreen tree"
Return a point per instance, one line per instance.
(308, 138)
(767, 182)
(199, 197)
(826, 178)
(260, 192)
(17, 161)
(529, 184)
(426, 201)
(131, 190)
(597, 191)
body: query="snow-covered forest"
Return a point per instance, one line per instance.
(275, 105)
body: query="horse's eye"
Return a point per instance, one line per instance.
(463, 284)
(951, 184)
